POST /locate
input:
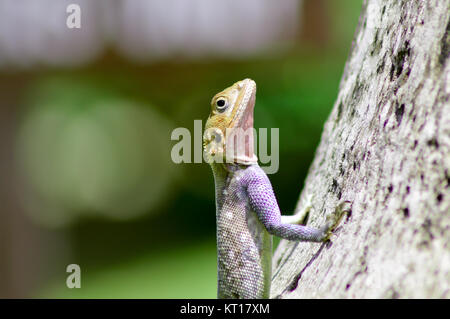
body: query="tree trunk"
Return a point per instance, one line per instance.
(385, 148)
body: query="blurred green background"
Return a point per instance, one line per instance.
(86, 117)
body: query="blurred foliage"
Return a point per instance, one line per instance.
(96, 141)
(175, 273)
(86, 149)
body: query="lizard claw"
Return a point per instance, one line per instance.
(334, 219)
(344, 207)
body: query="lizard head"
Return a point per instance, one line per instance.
(228, 133)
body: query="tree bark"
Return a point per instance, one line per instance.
(385, 148)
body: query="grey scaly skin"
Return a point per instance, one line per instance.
(247, 212)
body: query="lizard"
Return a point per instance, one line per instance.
(247, 212)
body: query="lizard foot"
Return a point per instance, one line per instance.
(334, 219)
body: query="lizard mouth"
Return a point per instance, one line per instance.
(244, 115)
(246, 120)
(243, 124)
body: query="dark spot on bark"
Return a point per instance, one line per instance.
(334, 185)
(383, 10)
(354, 166)
(357, 91)
(399, 60)
(448, 179)
(376, 37)
(347, 286)
(422, 177)
(433, 143)
(349, 214)
(334, 188)
(427, 226)
(445, 45)
(385, 122)
(390, 188)
(407, 189)
(415, 144)
(408, 71)
(376, 45)
(380, 67)
(406, 212)
(339, 114)
(391, 73)
(414, 119)
(424, 243)
(395, 89)
(439, 197)
(399, 110)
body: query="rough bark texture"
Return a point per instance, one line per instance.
(386, 148)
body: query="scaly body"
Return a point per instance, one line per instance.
(247, 212)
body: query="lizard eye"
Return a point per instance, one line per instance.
(221, 104)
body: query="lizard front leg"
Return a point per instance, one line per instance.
(263, 202)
